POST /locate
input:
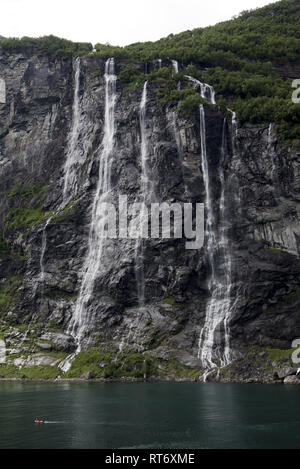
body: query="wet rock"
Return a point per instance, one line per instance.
(292, 380)
(286, 372)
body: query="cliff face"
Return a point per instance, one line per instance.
(153, 296)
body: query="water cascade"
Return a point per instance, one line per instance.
(207, 91)
(72, 153)
(69, 174)
(176, 70)
(43, 251)
(146, 193)
(177, 133)
(234, 124)
(145, 196)
(138, 255)
(272, 154)
(214, 342)
(96, 239)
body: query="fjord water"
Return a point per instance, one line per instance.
(149, 415)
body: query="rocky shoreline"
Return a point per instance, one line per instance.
(289, 380)
(26, 357)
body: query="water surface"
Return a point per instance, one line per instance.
(149, 415)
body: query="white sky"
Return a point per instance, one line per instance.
(118, 22)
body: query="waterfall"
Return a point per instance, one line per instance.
(272, 154)
(145, 197)
(226, 283)
(159, 63)
(43, 251)
(175, 66)
(270, 128)
(96, 240)
(211, 93)
(145, 179)
(69, 174)
(207, 91)
(72, 153)
(270, 142)
(146, 193)
(234, 120)
(212, 350)
(41, 276)
(177, 133)
(234, 124)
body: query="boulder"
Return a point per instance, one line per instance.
(60, 341)
(292, 380)
(287, 371)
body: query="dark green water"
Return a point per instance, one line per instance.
(149, 415)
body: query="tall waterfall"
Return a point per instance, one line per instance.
(69, 175)
(41, 279)
(272, 155)
(207, 91)
(145, 179)
(214, 342)
(270, 139)
(145, 197)
(96, 240)
(71, 157)
(177, 133)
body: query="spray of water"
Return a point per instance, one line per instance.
(80, 318)
(213, 349)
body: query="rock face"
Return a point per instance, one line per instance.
(45, 241)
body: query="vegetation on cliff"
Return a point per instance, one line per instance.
(51, 45)
(240, 58)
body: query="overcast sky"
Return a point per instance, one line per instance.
(118, 22)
